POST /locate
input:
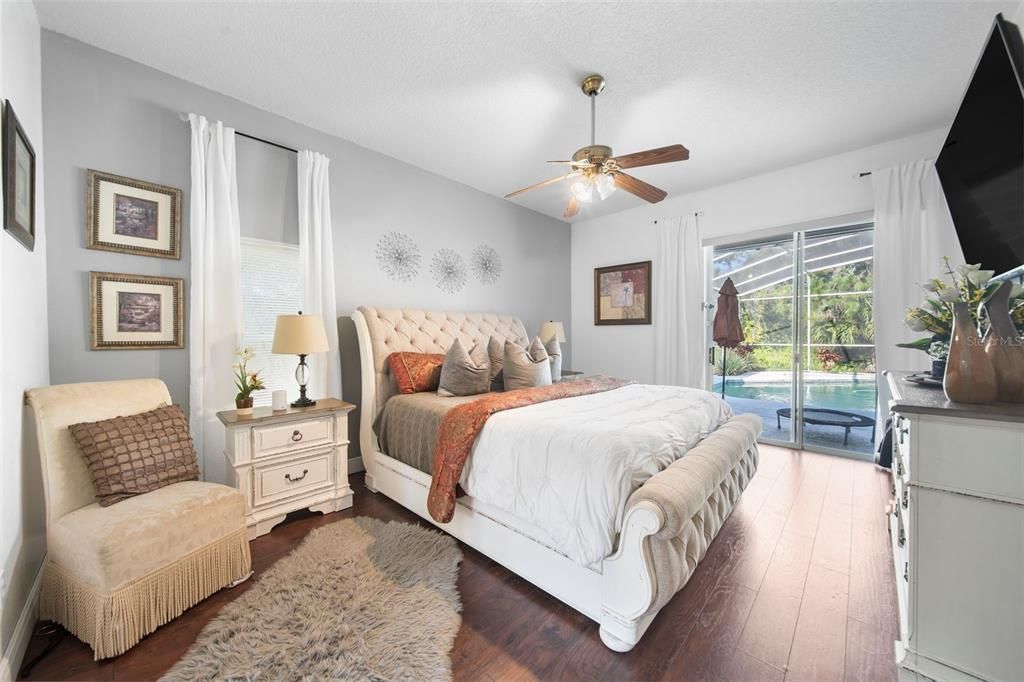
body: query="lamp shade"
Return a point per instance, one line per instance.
(551, 329)
(299, 335)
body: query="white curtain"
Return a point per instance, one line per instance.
(215, 301)
(679, 318)
(913, 231)
(316, 258)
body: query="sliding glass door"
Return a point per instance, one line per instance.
(807, 364)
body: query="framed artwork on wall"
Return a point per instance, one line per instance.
(132, 216)
(136, 312)
(622, 294)
(19, 178)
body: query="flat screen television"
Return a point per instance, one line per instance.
(981, 165)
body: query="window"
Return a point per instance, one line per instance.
(270, 287)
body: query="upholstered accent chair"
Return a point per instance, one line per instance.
(114, 574)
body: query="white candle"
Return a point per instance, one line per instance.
(280, 400)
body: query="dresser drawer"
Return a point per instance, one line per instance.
(291, 436)
(280, 481)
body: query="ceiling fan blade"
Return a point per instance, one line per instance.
(581, 164)
(639, 188)
(572, 209)
(542, 184)
(651, 157)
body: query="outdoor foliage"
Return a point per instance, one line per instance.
(835, 320)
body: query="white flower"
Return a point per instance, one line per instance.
(980, 278)
(966, 269)
(949, 295)
(1017, 290)
(932, 285)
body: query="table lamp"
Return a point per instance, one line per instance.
(551, 329)
(300, 335)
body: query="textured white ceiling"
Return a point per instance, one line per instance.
(484, 93)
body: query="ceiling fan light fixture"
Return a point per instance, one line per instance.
(605, 185)
(583, 190)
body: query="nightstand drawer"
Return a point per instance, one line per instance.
(293, 435)
(281, 481)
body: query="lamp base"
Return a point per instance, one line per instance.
(304, 402)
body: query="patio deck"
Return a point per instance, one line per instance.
(814, 436)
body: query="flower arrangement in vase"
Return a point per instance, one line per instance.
(953, 313)
(245, 381)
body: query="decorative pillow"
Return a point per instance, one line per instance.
(526, 367)
(465, 373)
(496, 354)
(129, 456)
(554, 351)
(416, 372)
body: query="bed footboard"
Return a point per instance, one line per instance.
(669, 523)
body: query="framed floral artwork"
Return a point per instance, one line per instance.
(622, 294)
(136, 312)
(132, 216)
(19, 178)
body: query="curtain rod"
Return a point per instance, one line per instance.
(184, 117)
(272, 144)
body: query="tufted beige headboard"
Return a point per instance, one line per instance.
(400, 329)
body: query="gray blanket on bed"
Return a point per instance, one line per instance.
(407, 426)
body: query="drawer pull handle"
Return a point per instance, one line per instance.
(288, 477)
(296, 436)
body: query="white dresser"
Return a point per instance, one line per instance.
(957, 535)
(289, 460)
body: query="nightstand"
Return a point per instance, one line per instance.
(289, 460)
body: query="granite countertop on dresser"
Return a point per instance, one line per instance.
(912, 398)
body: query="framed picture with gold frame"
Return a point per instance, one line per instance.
(132, 216)
(136, 312)
(622, 294)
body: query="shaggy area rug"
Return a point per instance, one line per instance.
(359, 599)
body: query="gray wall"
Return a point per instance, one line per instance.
(105, 112)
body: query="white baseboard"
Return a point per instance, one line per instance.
(355, 465)
(10, 664)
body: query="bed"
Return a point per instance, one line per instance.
(664, 469)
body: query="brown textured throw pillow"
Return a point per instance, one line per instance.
(128, 456)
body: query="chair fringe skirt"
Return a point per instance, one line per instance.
(113, 623)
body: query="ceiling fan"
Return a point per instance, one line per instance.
(595, 169)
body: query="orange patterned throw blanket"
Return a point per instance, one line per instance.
(463, 423)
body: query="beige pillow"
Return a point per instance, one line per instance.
(526, 367)
(554, 351)
(465, 373)
(496, 354)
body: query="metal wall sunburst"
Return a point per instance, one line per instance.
(448, 270)
(486, 264)
(398, 256)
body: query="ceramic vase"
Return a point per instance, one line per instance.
(969, 375)
(1004, 347)
(243, 405)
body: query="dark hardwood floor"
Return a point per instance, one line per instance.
(797, 586)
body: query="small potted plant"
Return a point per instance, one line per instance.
(938, 351)
(245, 381)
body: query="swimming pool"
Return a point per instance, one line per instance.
(852, 394)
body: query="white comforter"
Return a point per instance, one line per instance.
(567, 466)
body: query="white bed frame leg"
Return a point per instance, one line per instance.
(368, 480)
(628, 584)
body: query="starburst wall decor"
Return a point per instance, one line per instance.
(398, 256)
(486, 264)
(448, 270)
